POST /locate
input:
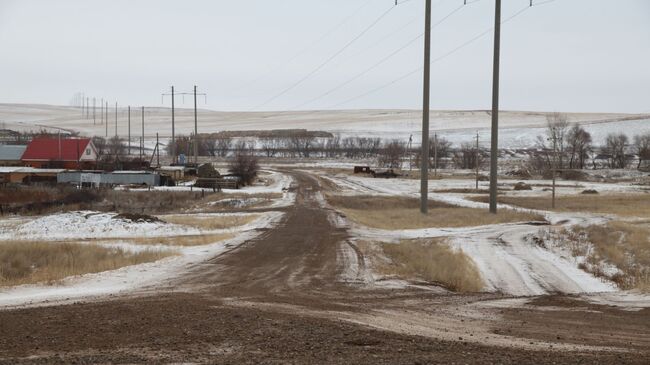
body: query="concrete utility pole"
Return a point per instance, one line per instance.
(87, 107)
(102, 111)
(424, 168)
(129, 133)
(494, 146)
(94, 111)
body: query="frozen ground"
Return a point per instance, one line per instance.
(130, 278)
(507, 261)
(518, 129)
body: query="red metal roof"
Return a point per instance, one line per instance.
(55, 149)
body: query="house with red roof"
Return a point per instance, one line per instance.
(63, 153)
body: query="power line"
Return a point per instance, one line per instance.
(382, 61)
(328, 60)
(415, 71)
(311, 45)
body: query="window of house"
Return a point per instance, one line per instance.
(87, 151)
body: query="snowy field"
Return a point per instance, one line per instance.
(518, 129)
(507, 260)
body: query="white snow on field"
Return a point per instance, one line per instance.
(89, 224)
(507, 261)
(131, 278)
(518, 128)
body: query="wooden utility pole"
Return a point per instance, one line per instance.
(424, 163)
(196, 132)
(129, 128)
(157, 150)
(476, 162)
(102, 111)
(87, 107)
(106, 110)
(435, 154)
(142, 140)
(94, 111)
(494, 146)
(173, 131)
(116, 119)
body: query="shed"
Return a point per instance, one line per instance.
(11, 155)
(175, 172)
(97, 178)
(26, 175)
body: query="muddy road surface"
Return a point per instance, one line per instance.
(297, 294)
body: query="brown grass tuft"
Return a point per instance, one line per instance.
(625, 205)
(211, 223)
(433, 261)
(36, 262)
(403, 213)
(627, 246)
(186, 241)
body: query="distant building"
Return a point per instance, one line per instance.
(11, 155)
(66, 153)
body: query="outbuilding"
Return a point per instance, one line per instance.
(11, 155)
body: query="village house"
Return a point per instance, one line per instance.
(65, 153)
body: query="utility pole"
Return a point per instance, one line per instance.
(494, 146)
(435, 154)
(87, 107)
(102, 111)
(173, 131)
(476, 161)
(424, 168)
(116, 120)
(196, 132)
(129, 133)
(106, 119)
(94, 111)
(142, 140)
(157, 150)
(554, 167)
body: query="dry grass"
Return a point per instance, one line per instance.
(37, 262)
(624, 205)
(433, 261)
(625, 245)
(403, 213)
(185, 241)
(211, 223)
(223, 202)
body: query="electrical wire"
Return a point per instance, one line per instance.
(311, 45)
(382, 61)
(327, 61)
(438, 59)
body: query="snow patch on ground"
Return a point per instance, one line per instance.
(89, 224)
(131, 278)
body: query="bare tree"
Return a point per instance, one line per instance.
(439, 148)
(115, 146)
(302, 144)
(642, 147)
(557, 129)
(223, 145)
(578, 142)
(392, 154)
(615, 149)
(100, 144)
(245, 165)
(467, 157)
(270, 146)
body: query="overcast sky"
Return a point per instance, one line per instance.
(566, 55)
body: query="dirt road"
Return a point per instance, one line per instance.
(280, 299)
